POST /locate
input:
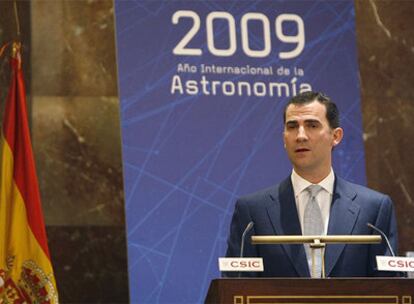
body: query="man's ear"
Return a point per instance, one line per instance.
(338, 134)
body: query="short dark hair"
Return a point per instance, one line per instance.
(332, 113)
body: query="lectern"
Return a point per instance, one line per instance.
(305, 290)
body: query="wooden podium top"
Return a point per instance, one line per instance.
(305, 290)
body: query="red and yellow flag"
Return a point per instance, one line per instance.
(26, 273)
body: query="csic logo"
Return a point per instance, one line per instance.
(241, 264)
(388, 263)
(399, 264)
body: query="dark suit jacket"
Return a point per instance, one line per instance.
(274, 212)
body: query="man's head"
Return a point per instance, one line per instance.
(311, 132)
(332, 113)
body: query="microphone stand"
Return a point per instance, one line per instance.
(243, 240)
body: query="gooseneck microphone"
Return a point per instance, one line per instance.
(383, 235)
(248, 228)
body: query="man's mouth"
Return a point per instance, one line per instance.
(302, 150)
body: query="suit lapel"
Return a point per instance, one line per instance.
(283, 214)
(343, 215)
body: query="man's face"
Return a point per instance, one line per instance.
(309, 139)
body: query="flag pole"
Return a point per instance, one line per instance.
(16, 44)
(16, 16)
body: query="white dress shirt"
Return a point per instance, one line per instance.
(324, 197)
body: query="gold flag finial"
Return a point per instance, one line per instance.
(16, 49)
(16, 53)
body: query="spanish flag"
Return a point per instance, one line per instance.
(26, 273)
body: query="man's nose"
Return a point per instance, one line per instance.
(301, 136)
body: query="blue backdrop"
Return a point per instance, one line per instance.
(202, 87)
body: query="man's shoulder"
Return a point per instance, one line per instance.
(264, 194)
(260, 193)
(360, 191)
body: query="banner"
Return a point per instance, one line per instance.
(203, 85)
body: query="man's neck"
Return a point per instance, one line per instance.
(313, 177)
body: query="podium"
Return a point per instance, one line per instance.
(305, 290)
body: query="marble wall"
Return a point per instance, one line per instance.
(385, 37)
(70, 67)
(76, 137)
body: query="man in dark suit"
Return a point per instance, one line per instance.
(337, 207)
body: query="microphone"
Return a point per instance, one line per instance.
(384, 236)
(248, 228)
(241, 264)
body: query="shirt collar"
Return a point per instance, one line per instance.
(299, 183)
